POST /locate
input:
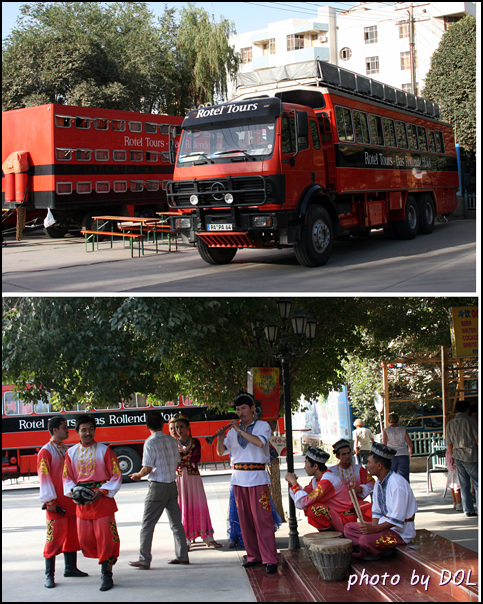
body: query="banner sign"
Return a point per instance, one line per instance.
(464, 331)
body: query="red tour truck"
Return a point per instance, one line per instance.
(307, 153)
(81, 161)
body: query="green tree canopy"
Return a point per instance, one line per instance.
(115, 55)
(451, 80)
(97, 350)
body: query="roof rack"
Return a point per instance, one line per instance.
(317, 73)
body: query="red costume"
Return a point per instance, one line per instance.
(61, 529)
(95, 466)
(357, 476)
(326, 502)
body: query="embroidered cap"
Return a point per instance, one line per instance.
(244, 398)
(383, 450)
(316, 454)
(340, 444)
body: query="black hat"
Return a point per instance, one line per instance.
(383, 450)
(340, 444)
(316, 454)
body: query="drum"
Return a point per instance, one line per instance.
(332, 558)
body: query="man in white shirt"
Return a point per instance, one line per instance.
(160, 459)
(393, 510)
(247, 442)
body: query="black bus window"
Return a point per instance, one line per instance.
(402, 135)
(423, 142)
(361, 127)
(439, 141)
(343, 120)
(432, 141)
(375, 127)
(413, 137)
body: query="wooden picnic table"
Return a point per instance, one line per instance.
(144, 225)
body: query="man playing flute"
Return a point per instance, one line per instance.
(247, 442)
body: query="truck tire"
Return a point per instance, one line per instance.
(129, 461)
(408, 228)
(426, 214)
(216, 255)
(317, 238)
(56, 231)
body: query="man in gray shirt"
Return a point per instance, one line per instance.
(160, 459)
(462, 442)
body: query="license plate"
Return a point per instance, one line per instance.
(219, 227)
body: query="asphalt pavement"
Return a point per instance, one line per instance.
(444, 261)
(214, 575)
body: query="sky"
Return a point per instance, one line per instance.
(247, 16)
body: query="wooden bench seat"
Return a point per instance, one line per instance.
(95, 238)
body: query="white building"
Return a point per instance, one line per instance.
(371, 38)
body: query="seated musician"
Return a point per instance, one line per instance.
(354, 476)
(325, 500)
(393, 510)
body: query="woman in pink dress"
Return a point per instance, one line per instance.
(195, 514)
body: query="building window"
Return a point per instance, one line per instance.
(295, 42)
(246, 54)
(345, 54)
(403, 30)
(449, 21)
(370, 34)
(372, 65)
(269, 47)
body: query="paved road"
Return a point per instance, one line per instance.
(443, 262)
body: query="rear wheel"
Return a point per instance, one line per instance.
(426, 215)
(317, 238)
(216, 255)
(129, 461)
(408, 228)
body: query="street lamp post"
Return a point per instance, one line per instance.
(283, 348)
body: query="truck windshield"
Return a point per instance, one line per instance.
(223, 144)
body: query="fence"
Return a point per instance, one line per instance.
(422, 441)
(470, 201)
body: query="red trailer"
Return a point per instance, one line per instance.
(79, 161)
(24, 430)
(307, 153)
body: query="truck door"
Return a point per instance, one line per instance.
(297, 161)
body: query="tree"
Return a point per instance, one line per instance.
(115, 55)
(451, 80)
(97, 350)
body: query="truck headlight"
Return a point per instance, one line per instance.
(228, 198)
(262, 222)
(194, 200)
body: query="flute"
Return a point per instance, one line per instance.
(357, 507)
(210, 439)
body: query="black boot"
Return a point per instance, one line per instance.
(70, 566)
(106, 574)
(49, 572)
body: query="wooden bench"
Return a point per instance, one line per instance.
(94, 235)
(164, 229)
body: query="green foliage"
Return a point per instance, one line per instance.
(115, 55)
(97, 350)
(451, 81)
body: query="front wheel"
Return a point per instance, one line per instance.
(315, 245)
(216, 255)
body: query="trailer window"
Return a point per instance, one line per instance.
(375, 127)
(84, 123)
(423, 143)
(413, 137)
(315, 134)
(101, 124)
(103, 186)
(120, 186)
(83, 154)
(84, 187)
(432, 141)
(439, 142)
(389, 132)
(119, 155)
(63, 121)
(137, 186)
(152, 185)
(150, 128)
(118, 125)
(135, 127)
(101, 154)
(343, 119)
(361, 127)
(152, 156)
(402, 135)
(63, 154)
(136, 155)
(63, 188)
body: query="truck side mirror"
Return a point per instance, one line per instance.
(302, 124)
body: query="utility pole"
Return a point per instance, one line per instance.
(412, 51)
